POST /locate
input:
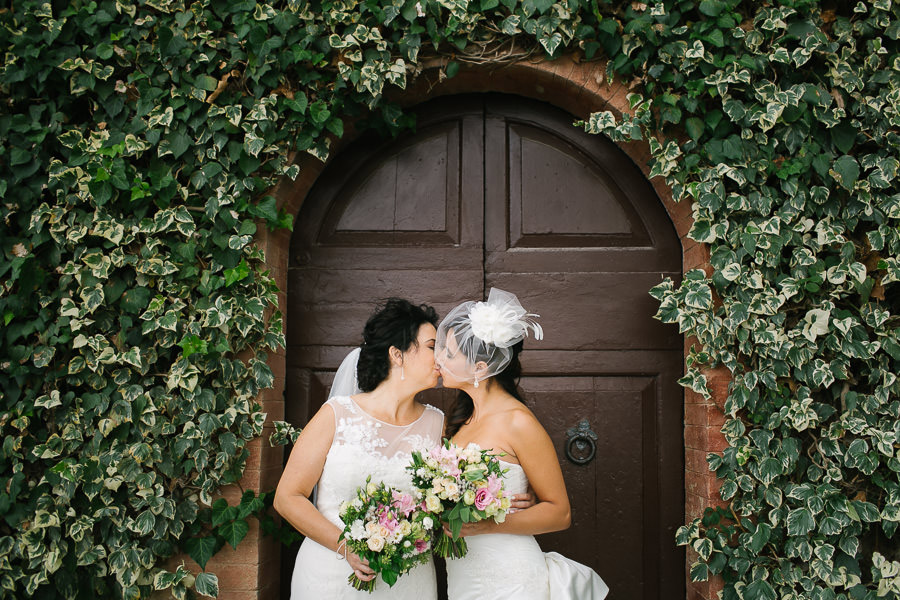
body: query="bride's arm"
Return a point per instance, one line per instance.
(537, 456)
(302, 472)
(303, 469)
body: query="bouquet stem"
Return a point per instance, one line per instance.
(359, 584)
(448, 547)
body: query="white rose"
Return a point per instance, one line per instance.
(452, 490)
(375, 543)
(428, 522)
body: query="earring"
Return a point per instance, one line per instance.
(476, 382)
(402, 375)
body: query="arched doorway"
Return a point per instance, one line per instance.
(500, 191)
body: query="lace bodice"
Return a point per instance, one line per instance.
(365, 446)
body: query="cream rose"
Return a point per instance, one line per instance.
(452, 489)
(432, 503)
(375, 543)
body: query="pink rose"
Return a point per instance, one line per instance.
(483, 498)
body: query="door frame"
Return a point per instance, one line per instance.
(579, 88)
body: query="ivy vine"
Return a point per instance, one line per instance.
(141, 138)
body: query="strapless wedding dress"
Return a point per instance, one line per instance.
(364, 446)
(503, 566)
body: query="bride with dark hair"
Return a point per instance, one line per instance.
(370, 425)
(477, 351)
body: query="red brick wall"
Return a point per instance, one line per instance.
(580, 88)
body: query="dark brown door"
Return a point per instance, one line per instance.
(495, 191)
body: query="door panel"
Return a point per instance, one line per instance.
(499, 191)
(396, 218)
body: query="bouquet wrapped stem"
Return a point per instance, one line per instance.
(449, 547)
(359, 584)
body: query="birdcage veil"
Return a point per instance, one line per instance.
(483, 332)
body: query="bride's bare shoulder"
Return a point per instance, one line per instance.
(519, 417)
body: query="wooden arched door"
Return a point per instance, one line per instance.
(500, 191)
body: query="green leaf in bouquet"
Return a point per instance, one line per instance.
(455, 523)
(389, 576)
(465, 514)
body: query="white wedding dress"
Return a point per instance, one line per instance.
(364, 446)
(503, 566)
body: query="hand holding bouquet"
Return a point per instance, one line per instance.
(389, 528)
(464, 484)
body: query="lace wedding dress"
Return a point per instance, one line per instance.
(363, 446)
(503, 566)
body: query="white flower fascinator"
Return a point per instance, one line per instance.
(483, 332)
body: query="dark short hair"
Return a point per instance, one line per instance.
(396, 323)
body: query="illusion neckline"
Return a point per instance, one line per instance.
(374, 418)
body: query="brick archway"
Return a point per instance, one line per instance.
(251, 571)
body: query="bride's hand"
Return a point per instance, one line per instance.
(360, 566)
(469, 529)
(522, 501)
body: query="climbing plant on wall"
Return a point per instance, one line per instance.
(140, 139)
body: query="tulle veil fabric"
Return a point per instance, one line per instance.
(345, 382)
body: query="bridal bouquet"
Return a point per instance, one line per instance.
(390, 529)
(464, 485)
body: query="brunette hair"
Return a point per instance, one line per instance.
(508, 379)
(397, 324)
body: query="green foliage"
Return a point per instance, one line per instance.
(222, 523)
(140, 140)
(791, 159)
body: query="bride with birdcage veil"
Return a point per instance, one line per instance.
(477, 352)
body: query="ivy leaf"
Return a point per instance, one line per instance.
(843, 136)
(135, 300)
(551, 43)
(319, 112)
(698, 296)
(237, 273)
(234, 531)
(192, 344)
(201, 549)
(845, 171)
(759, 590)
(760, 537)
(694, 127)
(207, 584)
(800, 522)
(177, 144)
